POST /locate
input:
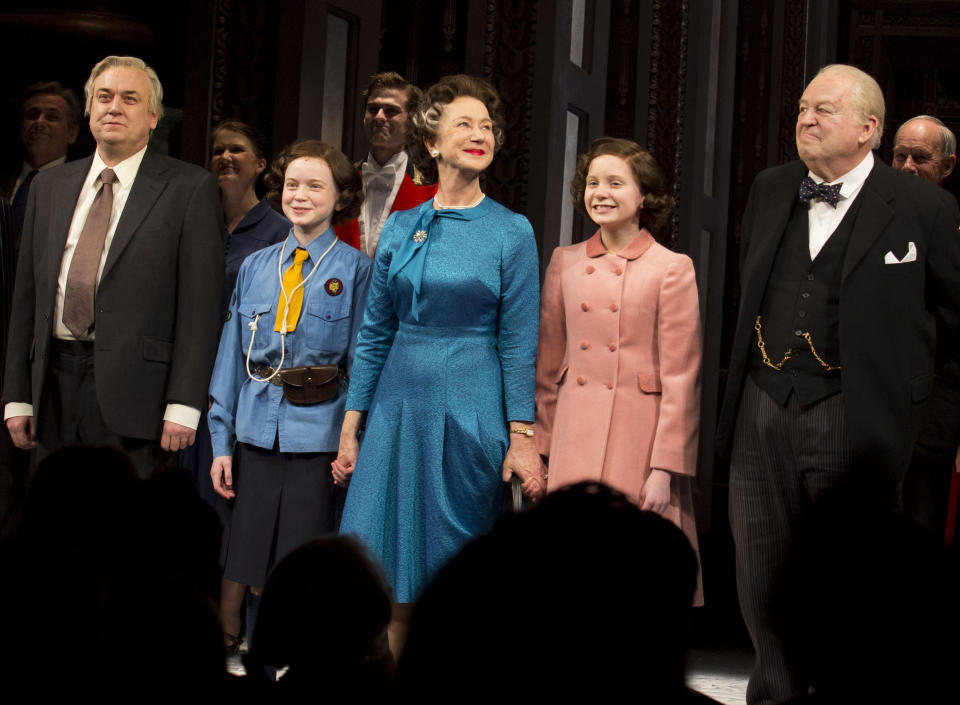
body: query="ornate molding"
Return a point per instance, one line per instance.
(508, 63)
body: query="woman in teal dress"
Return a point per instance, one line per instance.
(445, 359)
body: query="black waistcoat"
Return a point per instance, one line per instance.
(803, 296)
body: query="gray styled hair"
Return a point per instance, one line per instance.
(425, 120)
(865, 94)
(127, 62)
(948, 140)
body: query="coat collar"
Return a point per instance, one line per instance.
(637, 246)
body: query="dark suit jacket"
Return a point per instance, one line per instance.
(157, 304)
(887, 328)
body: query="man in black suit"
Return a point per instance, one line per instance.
(842, 261)
(116, 304)
(925, 147)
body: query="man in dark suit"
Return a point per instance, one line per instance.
(390, 181)
(842, 261)
(925, 147)
(49, 124)
(116, 304)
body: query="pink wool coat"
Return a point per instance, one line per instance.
(618, 369)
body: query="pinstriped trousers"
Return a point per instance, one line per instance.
(782, 461)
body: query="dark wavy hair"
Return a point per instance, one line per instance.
(391, 79)
(657, 202)
(253, 135)
(347, 179)
(425, 120)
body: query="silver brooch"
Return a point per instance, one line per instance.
(420, 236)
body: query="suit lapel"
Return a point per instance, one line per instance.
(64, 196)
(768, 228)
(874, 214)
(147, 187)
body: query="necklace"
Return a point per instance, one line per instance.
(440, 207)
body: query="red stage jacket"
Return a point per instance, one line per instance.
(409, 196)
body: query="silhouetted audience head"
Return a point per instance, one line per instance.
(868, 606)
(87, 499)
(110, 584)
(583, 593)
(324, 613)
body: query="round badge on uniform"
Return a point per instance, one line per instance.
(334, 287)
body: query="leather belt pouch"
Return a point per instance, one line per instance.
(310, 385)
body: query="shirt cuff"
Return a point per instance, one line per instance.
(182, 414)
(17, 408)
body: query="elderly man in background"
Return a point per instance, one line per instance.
(390, 181)
(843, 260)
(116, 304)
(925, 147)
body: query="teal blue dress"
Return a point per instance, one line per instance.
(444, 359)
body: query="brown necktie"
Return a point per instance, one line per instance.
(82, 278)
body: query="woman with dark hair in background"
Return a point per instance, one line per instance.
(620, 343)
(445, 358)
(279, 385)
(238, 159)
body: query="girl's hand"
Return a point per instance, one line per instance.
(221, 473)
(342, 467)
(655, 493)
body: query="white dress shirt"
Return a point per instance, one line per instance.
(126, 172)
(824, 218)
(380, 187)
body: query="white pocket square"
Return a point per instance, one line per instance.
(911, 255)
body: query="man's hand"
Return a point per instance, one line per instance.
(221, 473)
(21, 431)
(176, 437)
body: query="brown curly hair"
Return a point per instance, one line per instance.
(657, 202)
(425, 120)
(346, 178)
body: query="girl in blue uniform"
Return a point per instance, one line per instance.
(279, 385)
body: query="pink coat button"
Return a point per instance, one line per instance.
(612, 346)
(614, 308)
(618, 271)
(609, 385)
(581, 380)
(590, 269)
(584, 307)
(584, 345)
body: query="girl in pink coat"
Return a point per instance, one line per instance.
(618, 362)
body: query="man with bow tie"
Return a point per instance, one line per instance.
(390, 181)
(842, 261)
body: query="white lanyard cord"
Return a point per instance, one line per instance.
(286, 310)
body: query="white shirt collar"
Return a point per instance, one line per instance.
(853, 179)
(126, 170)
(395, 160)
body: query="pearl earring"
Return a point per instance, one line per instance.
(435, 153)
